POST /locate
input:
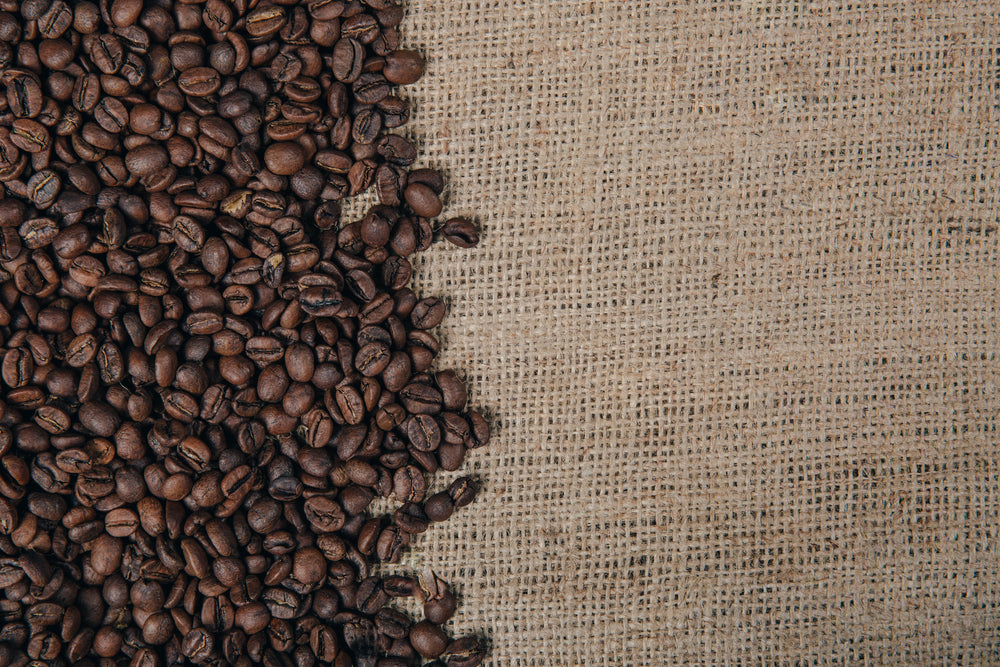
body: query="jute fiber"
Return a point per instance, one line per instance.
(735, 315)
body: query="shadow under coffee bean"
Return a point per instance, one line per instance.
(207, 376)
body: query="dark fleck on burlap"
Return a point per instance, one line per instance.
(735, 316)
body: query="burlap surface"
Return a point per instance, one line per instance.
(735, 314)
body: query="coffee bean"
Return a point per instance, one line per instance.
(403, 67)
(409, 484)
(284, 158)
(43, 188)
(370, 88)
(147, 159)
(29, 135)
(428, 313)
(439, 507)
(348, 60)
(198, 644)
(460, 232)
(199, 81)
(419, 398)
(372, 359)
(462, 491)
(423, 200)
(428, 639)
(121, 522)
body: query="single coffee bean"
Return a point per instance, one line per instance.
(43, 188)
(199, 81)
(439, 507)
(428, 639)
(460, 232)
(403, 67)
(462, 491)
(147, 159)
(370, 88)
(284, 158)
(348, 60)
(121, 522)
(424, 201)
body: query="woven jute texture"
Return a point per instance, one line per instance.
(735, 317)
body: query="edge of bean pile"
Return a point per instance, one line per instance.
(207, 375)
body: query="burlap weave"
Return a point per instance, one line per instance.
(735, 313)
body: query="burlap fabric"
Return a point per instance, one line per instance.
(735, 315)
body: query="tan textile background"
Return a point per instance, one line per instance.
(736, 314)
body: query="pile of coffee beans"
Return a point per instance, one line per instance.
(207, 377)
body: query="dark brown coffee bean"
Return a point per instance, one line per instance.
(423, 432)
(309, 565)
(428, 313)
(424, 201)
(439, 507)
(365, 129)
(284, 158)
(460, 232)
(453, 392)
(372, 359)
(463, 491)
(464, 652)
(428, 639)
(351, 404)
(111, 115)
(321, 301)
(421, 399)
(479, 430)
(265, 21)
(43, 188)
(300, 362)
(53, 419)
(107, 54)
(24, 93)
(348, 59)
(409, 484)
(199, 81)
(188, 234)
(81, 350)
(158, 628)
(147, 159)
(30, 135)
(18, 367)
(198, 644)
(106, 554)
(324, 514)
(121, 522)
(370, 88)
(403, 67)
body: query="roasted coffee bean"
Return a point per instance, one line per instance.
(43, 188)
(199, 81)
(147, 159)
(370, 88)
(403, 67)
(460, 232)
(424, 201)
(427, 313)
(423, 432)
(348, 60)
(463, 491)
(428, 639)
(409, 484)
(465, 652)
(421, 399)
